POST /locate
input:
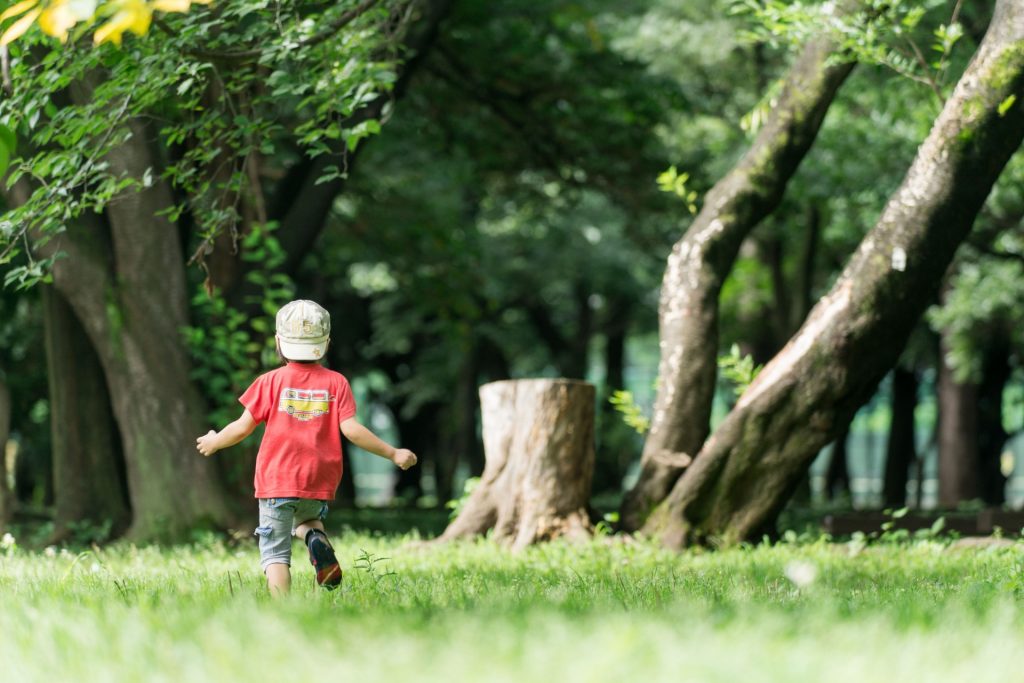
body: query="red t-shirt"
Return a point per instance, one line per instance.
(303, 405)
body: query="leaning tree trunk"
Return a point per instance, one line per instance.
(700, 263)
(6, 501)
(806, 395)
(87, 479)
(539, 446)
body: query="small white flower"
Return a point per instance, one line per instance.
(50, 551)
(95, 568)
(802, 574)
(7, 542)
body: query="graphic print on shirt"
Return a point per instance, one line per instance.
(304, 404)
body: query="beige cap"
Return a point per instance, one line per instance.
(303, 329)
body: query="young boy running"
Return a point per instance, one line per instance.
(298, 467)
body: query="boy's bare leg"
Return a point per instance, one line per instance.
(279, 579)
(302, 529)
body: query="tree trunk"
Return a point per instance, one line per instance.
(808, 393)
(128, 291)
(901, 451)
(958, 436)
(88, 481)
(539, 445)
(837, 476)
(616, 446)
(700, 263)
(6, 494)
(992, 436)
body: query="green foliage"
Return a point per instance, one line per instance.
(673, 182)
(632, 414)
(227, 92)
(229, 347)
(8, 147)
(738, 369)
(456, 505)
(902, 35)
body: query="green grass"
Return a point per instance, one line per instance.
(604, 611)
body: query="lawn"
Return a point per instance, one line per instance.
(604, 611)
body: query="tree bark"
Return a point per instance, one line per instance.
(127, 287)
(901, 450)
(837, 476)
(700, 263)
(539, 446)
(745, 472)
(992, 436)
(958, 435)
(88, 481)
(6, 500)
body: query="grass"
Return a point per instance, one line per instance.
(603, 611)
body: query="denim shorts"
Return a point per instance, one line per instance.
(278, 519)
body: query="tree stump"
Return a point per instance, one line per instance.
(539, 448)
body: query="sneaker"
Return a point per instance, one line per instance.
(321, 556)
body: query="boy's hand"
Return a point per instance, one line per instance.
(205, 443)
(404, 458)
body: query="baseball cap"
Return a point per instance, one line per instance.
(303, 329)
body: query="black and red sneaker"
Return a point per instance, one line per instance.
(321, 556)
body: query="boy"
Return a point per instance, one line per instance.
(298, 467)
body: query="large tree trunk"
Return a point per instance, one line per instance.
(87, 479)
(128, 291)
(901, 451)
(745, 472)
(700, 263)
(958, 435)
(6, 501)
(539, 445)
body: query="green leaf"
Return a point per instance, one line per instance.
(1005, 105)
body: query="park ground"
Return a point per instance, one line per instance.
(876, 608)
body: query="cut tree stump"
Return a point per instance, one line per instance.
(539, 448)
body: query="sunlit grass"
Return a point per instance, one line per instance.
(603, 611)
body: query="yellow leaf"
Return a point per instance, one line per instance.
(134, 16)
(57, 19)
(171, 5)
(18, 27)
(17, 9)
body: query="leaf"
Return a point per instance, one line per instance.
(1005, 105)
(18, 28)
(133, 15)
(8, 146)
(17, 8)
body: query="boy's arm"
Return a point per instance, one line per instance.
(367, 440)
(212, 441)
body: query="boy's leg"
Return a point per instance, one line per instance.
(275, 541)
(279, 579)
(321, 554)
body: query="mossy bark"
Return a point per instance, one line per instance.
(747, 469)
(701, 261)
